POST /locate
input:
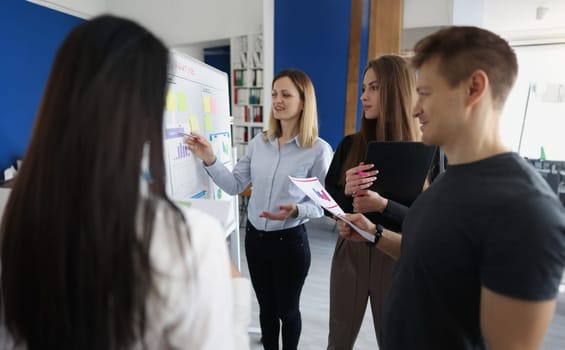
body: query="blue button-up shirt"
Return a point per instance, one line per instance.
(267, 167)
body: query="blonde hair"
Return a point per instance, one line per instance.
(308, 123)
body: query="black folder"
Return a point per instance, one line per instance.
(403, 167)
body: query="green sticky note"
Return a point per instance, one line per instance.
(181, 98)
(207, 122)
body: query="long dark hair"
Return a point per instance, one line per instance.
(395, 123)
(75, 256)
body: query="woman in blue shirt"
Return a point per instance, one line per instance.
(276, 244)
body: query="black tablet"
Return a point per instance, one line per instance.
(402, 167)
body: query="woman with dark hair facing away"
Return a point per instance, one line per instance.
(94, 254)
(358, 271)
(276, 243)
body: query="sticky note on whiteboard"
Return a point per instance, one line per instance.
(207, 122)
(171, 102)
(194, 123)
(183, 106)
(212, 105)
(207, 105)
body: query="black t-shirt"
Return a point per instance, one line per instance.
(493, 223)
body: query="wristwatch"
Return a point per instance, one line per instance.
(378, 236)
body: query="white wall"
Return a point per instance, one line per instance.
(268, 55)
(177, 22)
(514, 20)
(427, 13)
(180, 22)
(517, 20)
(468, 12)
(82, 9)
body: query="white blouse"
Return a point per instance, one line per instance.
(197, 305)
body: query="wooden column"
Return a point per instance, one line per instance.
(353, 66)
(385, 27)
(385, 30)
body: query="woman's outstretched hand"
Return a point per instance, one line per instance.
(286, 211)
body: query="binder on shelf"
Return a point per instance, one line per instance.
(245, 113)
(238, 77)
(256, 130)
(241, 96)
(255, 96)
(243, 59)
(257, 114)
(258, 77)
(257, 59)
(246, 77)
(241, 114)
(240, 134)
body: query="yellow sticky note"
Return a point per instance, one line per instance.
(181, 97)
(171, 103)
(194, 123)
(207, 107)
(207, 122)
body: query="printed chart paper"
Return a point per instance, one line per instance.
(315, 191)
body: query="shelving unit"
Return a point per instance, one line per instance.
(248, 110)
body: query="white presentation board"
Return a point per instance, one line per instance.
(197, 100)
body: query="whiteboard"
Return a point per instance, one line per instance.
(197, 100)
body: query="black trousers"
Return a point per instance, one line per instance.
(278, 263)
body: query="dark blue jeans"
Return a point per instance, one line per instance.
(278, 263)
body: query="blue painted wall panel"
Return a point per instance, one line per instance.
(313, 36)
(364, 51)
(29, 37)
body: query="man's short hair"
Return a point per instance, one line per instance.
(462, 50)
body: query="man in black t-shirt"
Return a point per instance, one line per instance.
(483, 249)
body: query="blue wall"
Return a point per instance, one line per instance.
(29, 37)
(219, 58)
(314, 36)
(364, 50)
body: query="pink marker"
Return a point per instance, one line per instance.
(194, 137)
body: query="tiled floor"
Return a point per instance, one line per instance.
(315, 300)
